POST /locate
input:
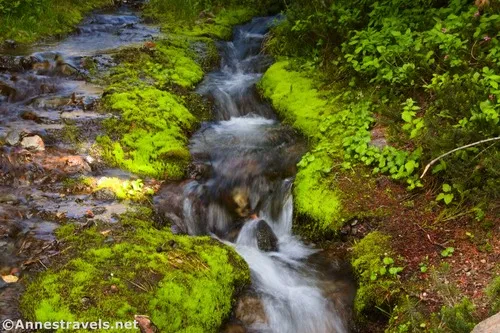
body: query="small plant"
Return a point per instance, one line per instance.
(424, 265)
(446, 195)
(448, 252)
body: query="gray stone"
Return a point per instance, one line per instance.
(490, 325)
(13, 137)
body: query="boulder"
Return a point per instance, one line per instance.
(490, 325)
(266, 239)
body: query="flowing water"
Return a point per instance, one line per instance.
(242, 193)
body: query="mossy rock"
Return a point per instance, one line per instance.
(372, 260)
(113, 272)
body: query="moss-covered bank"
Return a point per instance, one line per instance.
(29, 20)
(114, 272)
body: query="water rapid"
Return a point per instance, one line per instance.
(241, 191)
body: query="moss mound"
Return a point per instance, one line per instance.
(376, 271)
(149, 135)
(115, 272)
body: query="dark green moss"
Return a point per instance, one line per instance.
(28, 21)
(373, 263)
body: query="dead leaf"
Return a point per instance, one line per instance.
(10, 278)
(106, 232)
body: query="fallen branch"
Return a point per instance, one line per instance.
(431, 163)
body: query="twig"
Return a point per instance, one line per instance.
(429, 237)
(454, 150)
(41, 263)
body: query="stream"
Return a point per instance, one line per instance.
(246, 161)
(240, 193)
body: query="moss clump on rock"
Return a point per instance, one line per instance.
(372, 263)
(149, 136)
(114, 272)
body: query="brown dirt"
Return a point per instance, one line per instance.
(420, 230)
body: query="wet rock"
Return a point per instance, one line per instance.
(3, 284)
(250, 311)
(234, 328)
(8, 198)
(199, 171)
(30, 115)
(489, 325)
(13, 137)
(11, 44)
(34, 143)
(11, 63)
(104, 194)
(8, 91)
(266, 239)
(99, 210)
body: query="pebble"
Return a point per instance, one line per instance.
(483, 261)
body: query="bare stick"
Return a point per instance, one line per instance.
(454, 150)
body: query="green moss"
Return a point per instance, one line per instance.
(125, 189)
(315, 196)
(28, 21)
(222, 25)
(184, 284)
(370, 261)
(493, 293)
(295, 98)
(152, 129)
(460, 317)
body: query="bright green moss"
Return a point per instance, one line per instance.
(300, 104)
(295, 98)
(184, 284)
(315, 195)
(376, 285)
(152, 128)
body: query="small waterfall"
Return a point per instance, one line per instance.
(244, 194)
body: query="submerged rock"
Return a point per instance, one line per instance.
(250, 311)
(266, 239)
(13, 137)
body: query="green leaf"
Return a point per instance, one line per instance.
(388, 261)
(395, 270)
(446, 188)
